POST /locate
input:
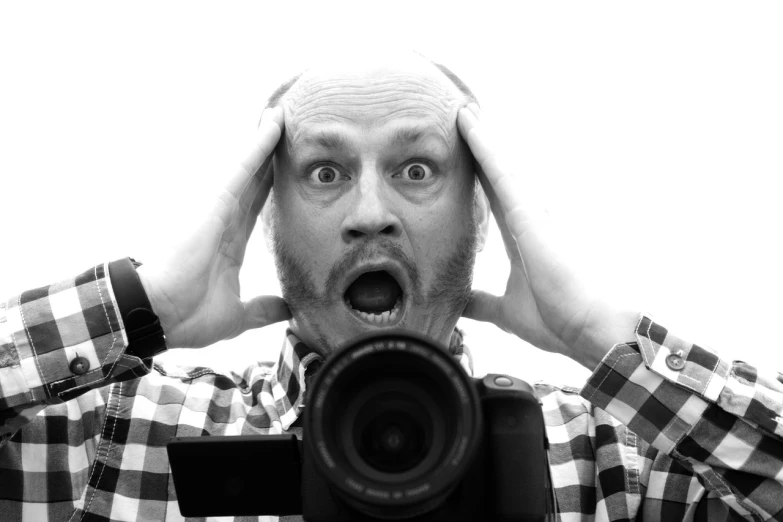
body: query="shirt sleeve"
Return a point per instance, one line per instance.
(59, 341)
(721, 419)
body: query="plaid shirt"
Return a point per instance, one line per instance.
(663, 430)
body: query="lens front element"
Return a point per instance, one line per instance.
(393, 430)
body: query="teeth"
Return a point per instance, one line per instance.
(382, 318)
(385, 317)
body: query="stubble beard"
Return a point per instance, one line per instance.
(437, 309)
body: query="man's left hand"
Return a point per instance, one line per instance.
(546, 303)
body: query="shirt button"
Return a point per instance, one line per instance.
(80, 365)
(675, 362)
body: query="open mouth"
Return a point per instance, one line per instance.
(375, 297)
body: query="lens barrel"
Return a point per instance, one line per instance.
(392, 423)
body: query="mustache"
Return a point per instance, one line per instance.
(367, 250)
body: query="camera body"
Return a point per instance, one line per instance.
(395, 429)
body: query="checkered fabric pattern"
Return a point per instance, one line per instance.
(640, 440)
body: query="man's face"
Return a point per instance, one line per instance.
(373, 219)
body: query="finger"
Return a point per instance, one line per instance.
(518, 208)
(265, 310)
(262, 194)
(483, 306)
(512, 250)
(246, 182)
(265, 178)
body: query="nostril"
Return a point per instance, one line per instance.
(386, 231)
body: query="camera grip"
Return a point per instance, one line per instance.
(517, 480)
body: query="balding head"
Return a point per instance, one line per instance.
(278, 94)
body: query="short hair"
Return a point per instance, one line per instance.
(457, 81)
(282, 89)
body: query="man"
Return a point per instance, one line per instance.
(374, 219)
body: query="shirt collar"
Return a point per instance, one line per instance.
(298, 363)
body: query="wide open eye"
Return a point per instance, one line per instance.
(417, 172)
(325, 174)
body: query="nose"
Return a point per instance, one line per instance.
(370, 215)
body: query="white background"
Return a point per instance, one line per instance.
(652, 132)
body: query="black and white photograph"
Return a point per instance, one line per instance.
(429, 261)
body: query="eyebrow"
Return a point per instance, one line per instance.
(407, 136)
(326, 139)
(401, 136)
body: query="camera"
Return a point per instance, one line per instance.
(393, 429)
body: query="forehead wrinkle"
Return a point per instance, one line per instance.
(335, 139)
(315, 90)
(444, 128)
(370, 101)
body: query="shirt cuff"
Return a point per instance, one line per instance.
(686, 364)
(661, 385)
(658, 386)
(63, 339)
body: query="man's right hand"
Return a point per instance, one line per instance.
(196, 291)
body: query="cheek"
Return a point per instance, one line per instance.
(303, 227)
(306, 230)
(435, 229)
(297, 220)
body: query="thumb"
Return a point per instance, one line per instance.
(483, 306)
(265, 310)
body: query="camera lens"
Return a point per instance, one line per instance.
(392, 423)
